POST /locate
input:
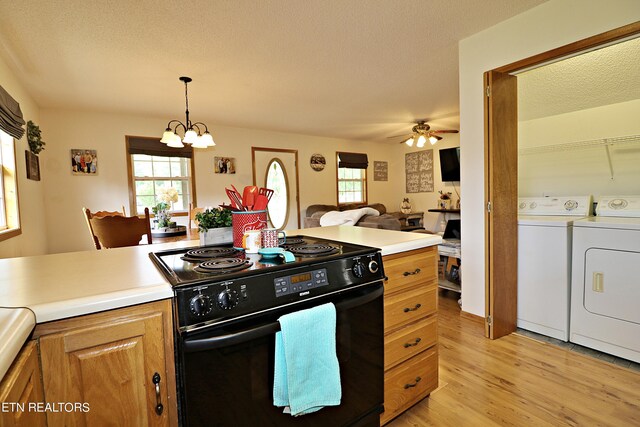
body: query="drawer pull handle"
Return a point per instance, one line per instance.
(411, 273)
(407, 345)
(156, 380)
(406, 310)
(418, 379)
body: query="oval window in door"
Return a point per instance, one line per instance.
(276, 180)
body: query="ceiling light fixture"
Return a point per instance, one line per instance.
(192, 132)
(422, 133)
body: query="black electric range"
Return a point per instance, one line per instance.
(217, 283)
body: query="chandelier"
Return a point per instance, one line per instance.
(421, 132)
(192, 131)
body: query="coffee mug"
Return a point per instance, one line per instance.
(271, 237)
(251, 241)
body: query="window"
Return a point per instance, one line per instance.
(9, 216)
(352, 178)
(277, 181)
(154, 166)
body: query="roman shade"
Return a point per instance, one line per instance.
(153, 147)
(11, 120)
(353, 160)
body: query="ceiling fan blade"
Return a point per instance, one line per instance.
(445, 131)
(406, 135)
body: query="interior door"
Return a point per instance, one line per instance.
(287, 160)
(501, 196)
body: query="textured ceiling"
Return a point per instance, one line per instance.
(361, 69)
(605, 76)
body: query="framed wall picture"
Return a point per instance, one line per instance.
(380, 171)
(33, 165)
(84, 161)
(317, 162)
(224, 165)
(419, 171)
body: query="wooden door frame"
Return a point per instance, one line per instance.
(279, 150)
(575, 48)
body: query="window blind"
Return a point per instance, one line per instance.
(153, 147)
(11, 120)
(353, 160)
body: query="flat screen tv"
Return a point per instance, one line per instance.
(450, 164)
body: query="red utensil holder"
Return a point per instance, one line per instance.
(245, 221)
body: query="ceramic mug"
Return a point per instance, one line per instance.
(271, 237)
(251, 241)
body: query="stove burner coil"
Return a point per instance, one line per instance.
(223, 265)
(292, 242)
(198, 255)
(312, 250)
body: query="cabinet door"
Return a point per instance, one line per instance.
(21, 386)
(109, 365)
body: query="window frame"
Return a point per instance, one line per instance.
(132, 180)
(364, 180)
(9, 183)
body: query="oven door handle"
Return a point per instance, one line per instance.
(195, 345)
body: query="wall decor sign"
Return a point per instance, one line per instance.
(380, 171)
(419, 171)
(84, 162)
(224, 165)
(33, 165)
(317, 162)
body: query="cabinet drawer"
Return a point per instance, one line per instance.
(408, 269)
(410, 382)
(406, 307)
(409, 341)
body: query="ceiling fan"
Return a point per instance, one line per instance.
(421, 133)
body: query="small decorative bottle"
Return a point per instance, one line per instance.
(405, 206)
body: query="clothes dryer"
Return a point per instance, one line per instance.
(544, 262)
(605, 299)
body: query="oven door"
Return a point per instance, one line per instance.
(225, 373)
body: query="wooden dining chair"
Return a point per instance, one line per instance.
(99, 214)
(192, 215)
(115, 231)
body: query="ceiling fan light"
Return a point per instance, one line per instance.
(421, 141)
(208, 139)
(409, 142)
(167, 136)
(433, 139)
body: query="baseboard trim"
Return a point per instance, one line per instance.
(471, 316)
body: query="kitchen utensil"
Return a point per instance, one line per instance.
(266, 192)
(229, 207)
(261, 202)
(249, 196)
(235, 198)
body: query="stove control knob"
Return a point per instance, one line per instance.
(373, 266)
(200, 305)
(227, 299)
(359, 269)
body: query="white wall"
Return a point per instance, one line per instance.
(581, 171)
(32, 241)
(67, 194)
(550, 25)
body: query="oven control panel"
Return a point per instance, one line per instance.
(300, 282)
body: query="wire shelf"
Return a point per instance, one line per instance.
(593, 143)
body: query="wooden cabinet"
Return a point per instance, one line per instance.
(411, 329)
(21, 390)
(118, 362)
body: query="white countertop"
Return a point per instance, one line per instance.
(389, 241)
(51, 287)
(15, 326)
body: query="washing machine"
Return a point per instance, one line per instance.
(605, 287)
(544, 261)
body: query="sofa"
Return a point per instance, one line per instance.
(387, 221)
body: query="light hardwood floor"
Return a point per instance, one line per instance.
(519, 381)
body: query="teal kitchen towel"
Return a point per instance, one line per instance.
(306, 374)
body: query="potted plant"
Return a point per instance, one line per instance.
(214, 226)
(445, 200)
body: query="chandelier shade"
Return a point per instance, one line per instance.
(197, 134)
